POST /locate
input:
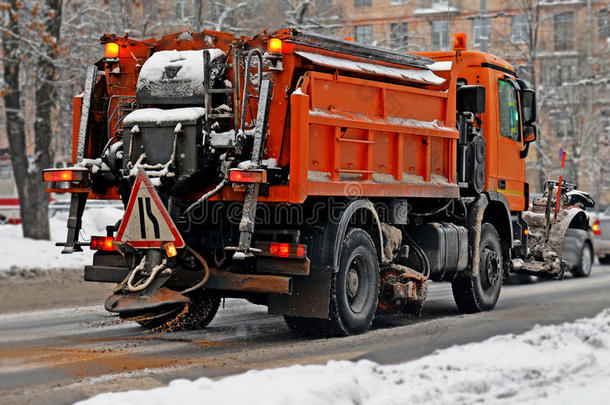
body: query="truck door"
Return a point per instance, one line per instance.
(511, 167)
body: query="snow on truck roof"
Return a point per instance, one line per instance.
(415, 75)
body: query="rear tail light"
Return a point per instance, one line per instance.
(595, 228)
(248, 176)
(105, 243)
(282, 249)
(58, 175)
(526, 231)
(73, 179)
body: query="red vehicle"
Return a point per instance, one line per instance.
(9, 201)
(325, 179)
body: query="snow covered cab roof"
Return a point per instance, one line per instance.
(173, 77)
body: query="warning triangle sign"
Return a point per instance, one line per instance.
(146, 223)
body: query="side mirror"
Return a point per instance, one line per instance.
(528, 106)
(530, 134)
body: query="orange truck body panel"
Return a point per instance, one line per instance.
(341, 133)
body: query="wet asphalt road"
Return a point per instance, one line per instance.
(66, 354)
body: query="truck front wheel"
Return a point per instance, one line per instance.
(354, 291)
(480, 293)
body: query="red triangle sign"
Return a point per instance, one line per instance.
(146, 223)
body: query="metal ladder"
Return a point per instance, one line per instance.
(265, 91)
(209, 91)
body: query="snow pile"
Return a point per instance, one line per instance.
(556, 364)
(19, 253)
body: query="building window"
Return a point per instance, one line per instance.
(399, 35)
(563, 25)
(557, 71)
(398, 1)
(481, 31)
(519, 33)
(362, 3)
(364, 34)
(181, 9)
(509, 111)
(440, 34)
(602, 22)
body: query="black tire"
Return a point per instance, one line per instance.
(480, 293)
(604, 259)
(585, 261)
(526, 279)
(196, 315)
(354, 292)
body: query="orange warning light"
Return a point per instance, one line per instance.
(459, 41)
(274, 45)
(112, 50)
(170, 249)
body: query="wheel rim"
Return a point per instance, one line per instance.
(357, 283)
(585, 259)
(489, 268)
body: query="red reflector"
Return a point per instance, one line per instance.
(526, 232)
(58, 175)
(102, 243)
(595, 228)
(250, 176)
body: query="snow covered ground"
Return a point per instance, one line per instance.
(550, 365)
(18, 253)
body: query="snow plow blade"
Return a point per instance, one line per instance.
(547, 233)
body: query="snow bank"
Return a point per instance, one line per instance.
(19, 253)
(558, 364)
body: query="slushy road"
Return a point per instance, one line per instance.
(72, 349)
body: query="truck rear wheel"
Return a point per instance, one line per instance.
(480, 293)
(196, 315)
(354, 291)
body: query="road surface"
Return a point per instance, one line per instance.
(58, 345)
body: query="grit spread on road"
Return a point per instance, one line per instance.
(77, 350)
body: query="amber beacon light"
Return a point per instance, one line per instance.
(459, 41)
(111, 50)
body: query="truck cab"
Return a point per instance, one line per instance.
(508, 122)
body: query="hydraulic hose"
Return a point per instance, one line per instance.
(206, 272)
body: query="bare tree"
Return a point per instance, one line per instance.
(313, 15)
(30, 45)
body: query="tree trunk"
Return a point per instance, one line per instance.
(33, 201)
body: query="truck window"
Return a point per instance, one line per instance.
(509, 110)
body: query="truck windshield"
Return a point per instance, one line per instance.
(509, 110)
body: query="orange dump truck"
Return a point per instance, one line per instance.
(325, 179)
